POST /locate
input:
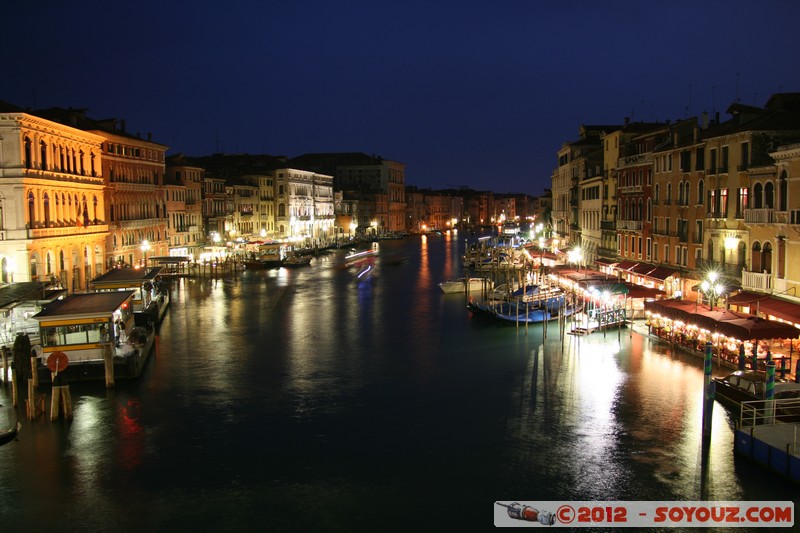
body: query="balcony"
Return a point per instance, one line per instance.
(759, 281)
(629, 224)
(639, 159)
(66, 231)
(759, 216)
(726, 269)
(607, 225)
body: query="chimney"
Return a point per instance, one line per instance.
(627, 120)
(122, 125)
(704, 120)
(149, 136)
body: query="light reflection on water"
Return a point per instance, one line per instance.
(278, 390)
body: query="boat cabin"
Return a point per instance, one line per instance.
(83, 324)
(150, 297)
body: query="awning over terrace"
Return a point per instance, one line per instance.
(758, 302)
(733, 324)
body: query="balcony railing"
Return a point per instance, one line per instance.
(759, 216)
(39, 233)
(761, 281)
(629, 224)
(608, 225)
(727, 269)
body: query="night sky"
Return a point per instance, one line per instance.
(465, 93)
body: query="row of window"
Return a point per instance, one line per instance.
(59, 158)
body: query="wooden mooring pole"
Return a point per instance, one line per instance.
(108, 360)
(34, 405)
(5, 351)
(61, 395)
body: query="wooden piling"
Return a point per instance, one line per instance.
(108, 360)
(4, 351)
(35, 369)
(14, 391)
(61, 395)
(29, 403)
(34, 405)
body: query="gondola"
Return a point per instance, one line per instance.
(9, 434)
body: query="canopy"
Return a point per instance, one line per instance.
(724, 321)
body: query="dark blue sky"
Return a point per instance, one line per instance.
(480, 94)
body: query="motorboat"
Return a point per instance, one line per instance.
(750, 386)
(296, 261)
(358, 255)
(263, 263)
(465, 284)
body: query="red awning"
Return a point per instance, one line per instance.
(605, 262)
(782, 309)
(747, 298)
(639, 291)
(643, 269)
(661, 273)
(626, 265)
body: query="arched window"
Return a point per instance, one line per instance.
(783, 193)
(686, 186)
(649, 214)
(669, 193)
(656, 193)
(46, 210)
(48, 264)
(43, 155)
(756, 255)
(61, 260)
(758, 196)
(31, 210)
(769, 195)
(639, 211)
(710, 250)
(742, 253)
(700, 192)
(680, 193)
(28, 153)
(766, 258)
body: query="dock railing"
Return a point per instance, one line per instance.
(785, 412)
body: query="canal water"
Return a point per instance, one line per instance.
(336, 397)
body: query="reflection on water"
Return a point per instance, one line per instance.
(279, 391)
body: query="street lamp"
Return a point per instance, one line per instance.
(145, 249)
(712, 288)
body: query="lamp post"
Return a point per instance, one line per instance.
(712, 288)
(145, 249)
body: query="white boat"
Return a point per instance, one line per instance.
(460, 285)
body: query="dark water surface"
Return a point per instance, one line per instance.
(317, 399)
